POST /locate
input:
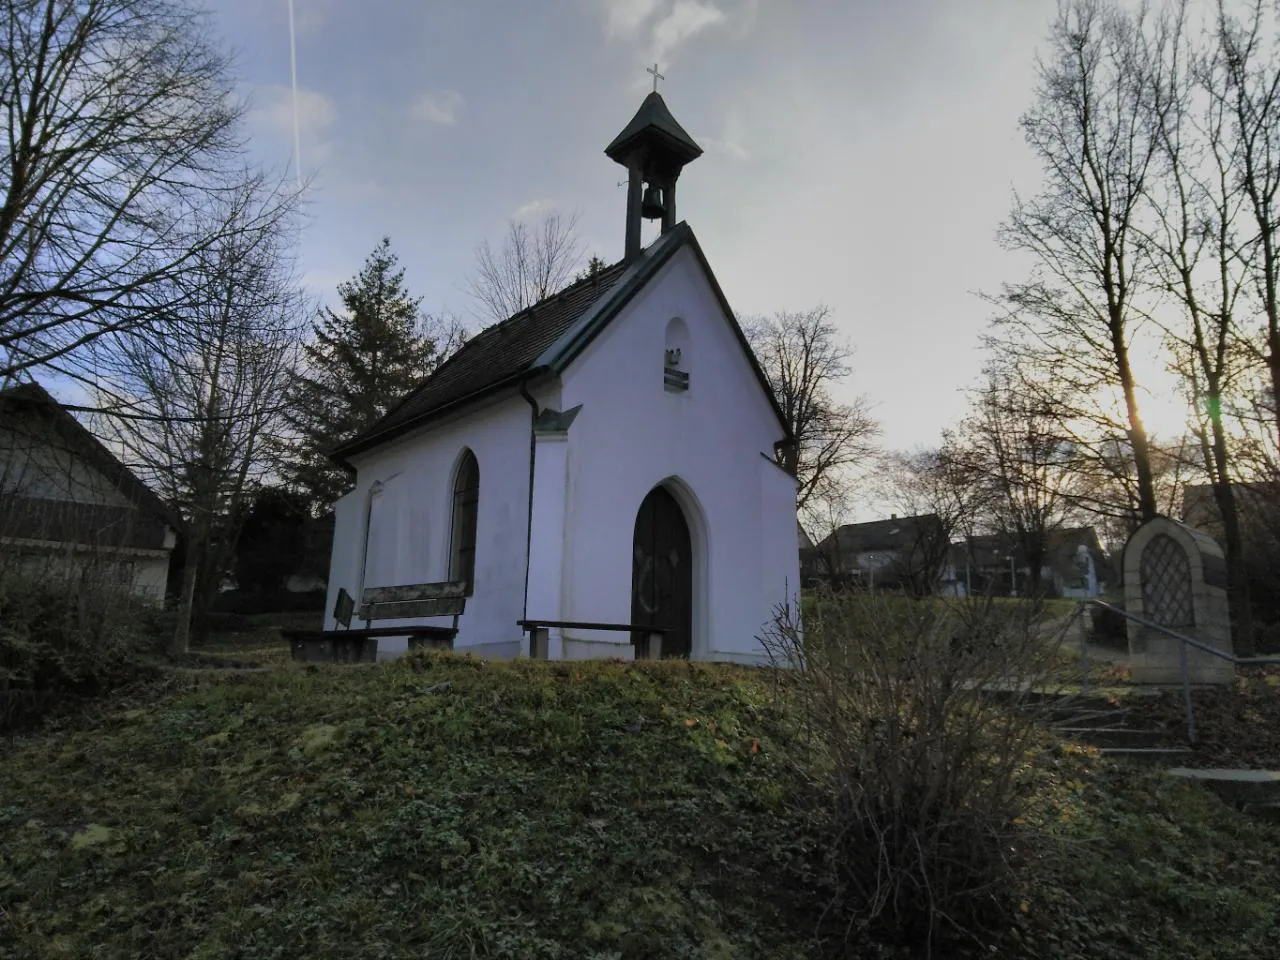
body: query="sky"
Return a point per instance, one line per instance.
(858, 153)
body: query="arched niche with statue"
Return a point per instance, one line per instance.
(1176, 576)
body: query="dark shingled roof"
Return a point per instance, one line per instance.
(544, 340)
(494, 356)
(896, 533)
(654, 116)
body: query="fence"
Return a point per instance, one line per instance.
(1183, 642)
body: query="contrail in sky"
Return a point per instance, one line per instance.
(293, 72)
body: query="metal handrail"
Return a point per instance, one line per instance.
(1183, 642)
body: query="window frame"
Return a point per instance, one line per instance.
(465, 513)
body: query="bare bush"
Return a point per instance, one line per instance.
(69, 626)
(924, 768)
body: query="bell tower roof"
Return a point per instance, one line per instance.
(654, 126)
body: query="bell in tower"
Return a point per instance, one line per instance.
(651, 207)
(654, 149)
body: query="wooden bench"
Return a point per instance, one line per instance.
(360, 645)
(648, 645)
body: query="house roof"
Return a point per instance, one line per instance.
(894, 534)
(68, 518)
(653, 121)
(1061, 548)
(491, 358)
(544, 339)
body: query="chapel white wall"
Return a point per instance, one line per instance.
(632, 434)
(411, 521)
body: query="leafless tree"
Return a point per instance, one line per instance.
(1244, 82)
(821, 516)
(1091, 127)
(1011, 447)
(804, 360)
(1199, 199)
(940, 483)
(117, 125)
(195, 411)
(533, 263)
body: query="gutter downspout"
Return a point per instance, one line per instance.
(528, 530)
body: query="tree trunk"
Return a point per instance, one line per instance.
(1035, 570)
(181, 641)
(1237, 571)
(1138, 442)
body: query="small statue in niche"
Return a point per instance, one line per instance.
(677, 336)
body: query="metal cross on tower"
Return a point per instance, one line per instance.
(656, 76)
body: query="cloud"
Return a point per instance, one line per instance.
(272, 111)
(686, 18)
(271, 117)
(309, 16)
(533, 208)
(437, 106)
(623, 18)
(725, 148)
(658, 27)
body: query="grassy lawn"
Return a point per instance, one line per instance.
(444, 807)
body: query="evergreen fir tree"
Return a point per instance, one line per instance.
(361, 360)
(594, 266)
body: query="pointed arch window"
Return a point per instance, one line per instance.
(466, 500)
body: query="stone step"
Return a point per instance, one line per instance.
(1078, 702)
(1045, 698)
(1067, 716)
(1240, 787)
(1115, 736)
(1153, 755)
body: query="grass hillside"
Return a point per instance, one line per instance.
(445, 807)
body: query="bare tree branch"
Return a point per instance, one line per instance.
(1091, 127)
(534, 263)
(195, 411)
(803, 359)
(117, 123)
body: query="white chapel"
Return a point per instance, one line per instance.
(595, 476)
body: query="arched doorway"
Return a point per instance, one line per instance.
(662, 572)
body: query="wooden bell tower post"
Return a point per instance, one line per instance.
(654, 148)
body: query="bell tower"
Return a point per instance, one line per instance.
(654, 149)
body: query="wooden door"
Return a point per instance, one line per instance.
(662, 572)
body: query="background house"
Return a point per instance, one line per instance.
(69, 507)
(901, 553)
(1073, 566)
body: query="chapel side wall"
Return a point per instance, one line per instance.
(780, 557)
(344, 556)
(420, 470)
(632, 434)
